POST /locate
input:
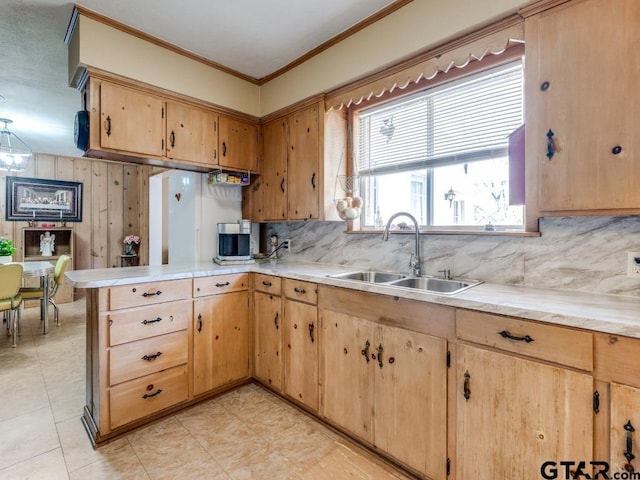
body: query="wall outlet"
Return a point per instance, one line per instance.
(287, 244)
(633, 264)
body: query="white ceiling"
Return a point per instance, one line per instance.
(253, 37)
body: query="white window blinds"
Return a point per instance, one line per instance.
(465, 120)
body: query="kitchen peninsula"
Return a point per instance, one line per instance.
(162, 338)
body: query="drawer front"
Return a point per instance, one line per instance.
(138, 398)
(136, 359)
(617, 359)
(302, 291)
(149, 293)
(145, 322)
(554, 344)
(217, 284)
(267, 284)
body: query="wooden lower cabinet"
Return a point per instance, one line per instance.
(514, 414)
(221, 340)
(268, 339)
(624, 441)
(300, 340)
(388, 387)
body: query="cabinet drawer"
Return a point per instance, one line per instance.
(267, 284)
(554, 344)
(135, 359)
(141, 397)
(148, 293)
(302, 291)
(217, 284)
(145, 322)
(616, 359)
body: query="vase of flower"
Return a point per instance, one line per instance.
(130, 241)
(6, 251)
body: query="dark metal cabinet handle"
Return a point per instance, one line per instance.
(313, 180)
(199, 322)
(282, 185)
(551, 149)
(108, 126)
(220, 285)
(275, 321)
(224, 149)
(172, 138)
(506, 334)
(628, 453)
(157, 293)
(596, 402)
(365, 351)
(150, 358)
(467, 387)
(300, 290)
(150, 322)
(267, 284)
(312, 328)
(380, 350)
(151, 395)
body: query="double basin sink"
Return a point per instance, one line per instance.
(424, 284)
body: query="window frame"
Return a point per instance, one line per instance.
(475, 66)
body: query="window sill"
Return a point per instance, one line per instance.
(499, 233)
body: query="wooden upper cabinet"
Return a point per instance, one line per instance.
(131, 121)
(581, 83)
(237, 144)
(274, 176)
(303, 164)
(191, 134)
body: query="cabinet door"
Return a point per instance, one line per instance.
(238, 144)
(411, 399)
(303, 164)
(625, 435)
(191, 134)
(131, 121)
(301, 352)
(274, 171)
(347, 385)
(513, 415)
(220, 340)
(587, 105)
(268, 322)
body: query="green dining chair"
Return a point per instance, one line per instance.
(10, 297)
(37, 293)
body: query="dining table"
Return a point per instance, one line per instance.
(44, 270)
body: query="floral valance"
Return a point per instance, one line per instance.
(426, 66)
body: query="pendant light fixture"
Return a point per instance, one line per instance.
(14, 153)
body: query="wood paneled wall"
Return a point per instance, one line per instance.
(115, 204)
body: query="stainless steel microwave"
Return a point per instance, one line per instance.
(234, 241)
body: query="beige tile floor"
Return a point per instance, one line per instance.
(248, 433)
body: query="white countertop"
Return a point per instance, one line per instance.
(614, 314)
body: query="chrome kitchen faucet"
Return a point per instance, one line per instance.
(414, 262)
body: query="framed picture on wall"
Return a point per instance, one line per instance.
(37, 199)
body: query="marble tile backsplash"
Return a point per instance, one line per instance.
(573, 253)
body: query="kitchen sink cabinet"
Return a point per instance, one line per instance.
(304, 149)
(268, 323)
(221, 336)
(300, 342)
(581, 112)
(386, 384)
(517, 401)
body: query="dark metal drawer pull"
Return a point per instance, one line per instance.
(467, 388)
(506, 334)
(149, 322)
(266, 284)
(300, 290)
(152, 294)
(151, 395)
(150, 358)
(225, 284)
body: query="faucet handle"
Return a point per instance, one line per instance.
(446, 273)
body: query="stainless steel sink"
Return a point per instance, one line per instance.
(434, 285)
(369, 276)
